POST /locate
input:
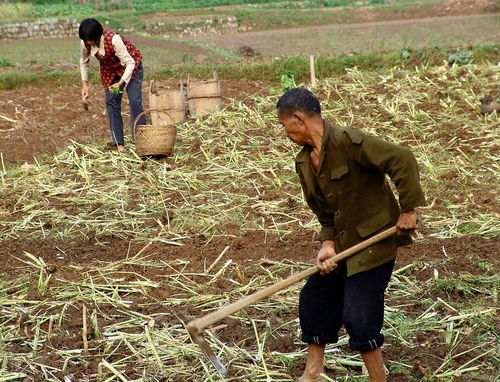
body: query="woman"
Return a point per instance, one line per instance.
(121, 66)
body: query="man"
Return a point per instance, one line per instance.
(121, 65)
(343, 176)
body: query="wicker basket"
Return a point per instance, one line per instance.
(154, 139)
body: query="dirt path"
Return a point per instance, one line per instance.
(168, 45)
(365, 37)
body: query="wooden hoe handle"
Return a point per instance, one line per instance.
(201, 323)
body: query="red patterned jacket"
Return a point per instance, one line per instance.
(110, 64)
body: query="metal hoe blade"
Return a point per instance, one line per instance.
(198, 339)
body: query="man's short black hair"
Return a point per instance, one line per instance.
(90, 30)
(298, 99)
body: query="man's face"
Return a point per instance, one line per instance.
(91, 42)
(295, 127)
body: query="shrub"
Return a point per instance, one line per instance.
(15, 79)
(4, 62)
(461, 58)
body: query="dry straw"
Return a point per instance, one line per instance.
(235, 169)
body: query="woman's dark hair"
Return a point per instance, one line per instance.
(90, 30)
(298, 99)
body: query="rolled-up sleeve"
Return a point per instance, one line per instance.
(124, 56)
(84, 61)
(327, 231)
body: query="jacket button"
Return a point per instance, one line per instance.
(322, 176)
(336, 213)
(329, 195)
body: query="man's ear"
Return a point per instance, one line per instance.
(300, 116)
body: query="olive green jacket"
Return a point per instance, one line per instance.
(351, 196)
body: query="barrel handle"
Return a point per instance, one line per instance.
(147, 111)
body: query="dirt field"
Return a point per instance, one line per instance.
(49, 119)
(365, 37)
(146, 246)
(220, 220)
(450, 258)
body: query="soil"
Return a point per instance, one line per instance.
(41, 130)
(365, 36)
(68, 260)
(46, 120)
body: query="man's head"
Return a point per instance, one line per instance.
(90, 31)
(298, 109)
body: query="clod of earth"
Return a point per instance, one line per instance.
(85, 102)
(489, 105)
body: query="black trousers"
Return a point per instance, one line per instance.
(357, 302)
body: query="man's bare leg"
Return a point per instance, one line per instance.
(314, 363)
(375, 364)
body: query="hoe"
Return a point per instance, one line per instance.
(196, 327)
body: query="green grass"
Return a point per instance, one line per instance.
(18, 78)
(266, 19)
(276, 15)
(12, 12)
(271, 69)
(4, 62)
(304, 14)
(29, 10)
(53, 52)
(40, 52)
(159, 66)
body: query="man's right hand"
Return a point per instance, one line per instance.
(326, 252)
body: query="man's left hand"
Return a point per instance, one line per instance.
(407, 222)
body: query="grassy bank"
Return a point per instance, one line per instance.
(266, 70)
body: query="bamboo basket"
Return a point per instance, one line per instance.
(154, 139)
(204, 96)
(171, 100)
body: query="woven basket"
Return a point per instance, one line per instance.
(154, 139)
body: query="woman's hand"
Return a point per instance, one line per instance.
(85, 90)
(116, 88)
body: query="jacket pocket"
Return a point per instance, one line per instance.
(374, 223)
(339, 172)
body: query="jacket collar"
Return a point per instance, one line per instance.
(303, 159)
(94, 49)
(304, 155)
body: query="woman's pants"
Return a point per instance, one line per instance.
(114, 108)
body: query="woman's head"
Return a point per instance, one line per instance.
(90, 31)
